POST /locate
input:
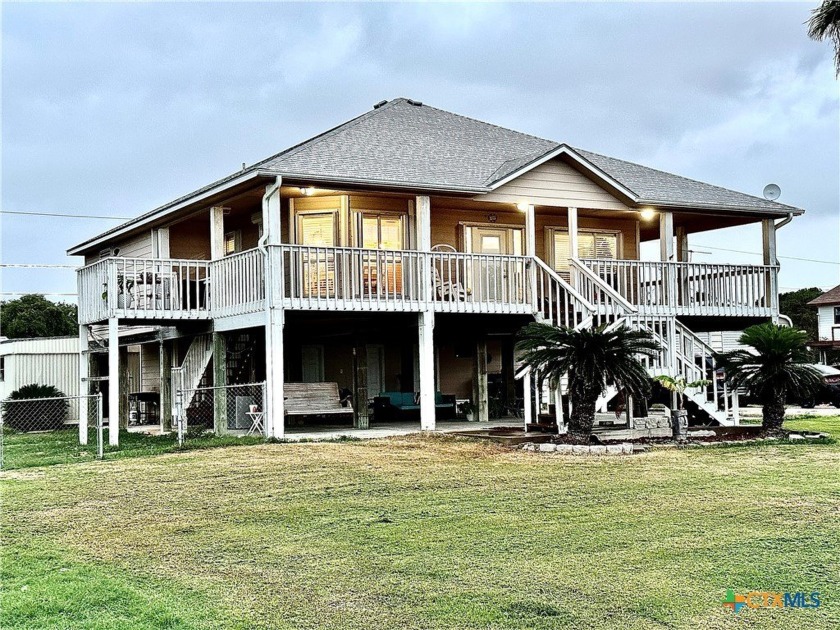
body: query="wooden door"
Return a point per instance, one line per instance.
(488, 274)
(318, 230)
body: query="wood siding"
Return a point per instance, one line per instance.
(826, 325)
(138, 246)
(555, 184)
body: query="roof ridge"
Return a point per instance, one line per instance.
(683, 177)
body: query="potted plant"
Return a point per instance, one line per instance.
(466, 408)
(679, 416)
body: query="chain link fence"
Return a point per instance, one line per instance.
(50, 429)
(233, 409)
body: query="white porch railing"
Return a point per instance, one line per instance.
(668, 288)
(480, 283)
(349, 278)
(144, 288)
(237, 283)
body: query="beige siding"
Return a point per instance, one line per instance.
(446, 227)
(555, 184)
(139, 246)
(150, 367)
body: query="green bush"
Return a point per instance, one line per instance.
(35, 415)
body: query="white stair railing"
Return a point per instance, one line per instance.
(608, 304)
(187, 377)
(558, 302)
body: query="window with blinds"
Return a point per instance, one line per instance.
(233, 242)
(382, 231)
(317, 229)
(590, 245)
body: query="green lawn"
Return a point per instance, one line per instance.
(25, 450)
(423, 532)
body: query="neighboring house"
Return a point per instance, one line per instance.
(828, 320)
(42, 361)
(403, 250)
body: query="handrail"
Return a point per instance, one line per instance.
(559, 279)
(605, 287)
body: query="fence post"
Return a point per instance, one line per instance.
(179, 418)
(99, 442)
(263, 409)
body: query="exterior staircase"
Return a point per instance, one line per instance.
(187, 377)
(587, 300)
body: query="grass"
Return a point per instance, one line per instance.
(25, 450)
(423, 532)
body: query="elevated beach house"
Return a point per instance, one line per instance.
(395, 257)
(828, 321)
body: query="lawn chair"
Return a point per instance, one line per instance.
(447, 290)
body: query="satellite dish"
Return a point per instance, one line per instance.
(772, 192)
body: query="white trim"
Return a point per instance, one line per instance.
(580, 160)
(134, 224)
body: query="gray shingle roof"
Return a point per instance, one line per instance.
(406, 143)
(658, 187)
(403, 143)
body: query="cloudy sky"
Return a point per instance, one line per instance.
(114, 109)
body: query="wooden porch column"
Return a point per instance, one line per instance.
(217, 232)
(573, 232)
(219, 381)
(527, 399)
(682, 244)
(84, 385)
(666, 236)
(768, 238)
(531, 252)
(274, 274)
(426, 350)
(165, 386)
(558, 408)
(113, 382)
(480, 381)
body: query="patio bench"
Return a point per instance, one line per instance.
(314, 399)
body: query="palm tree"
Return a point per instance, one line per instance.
(777, 364)
(825, 23)
(594, 359)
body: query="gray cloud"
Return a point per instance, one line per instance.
(113, 108)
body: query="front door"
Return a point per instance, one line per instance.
(489, 275)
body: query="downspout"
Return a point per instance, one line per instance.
(269, 272)
(776, 227)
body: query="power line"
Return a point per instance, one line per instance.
(70, 216)
(10, 293)
(741, 251)
(36, 266)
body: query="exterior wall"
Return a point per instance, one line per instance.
(49, 361)
(149, 368)
(191, 238)
(723, 340)
(447, 226)
(826, 327)
(555, 184)
(139, 246)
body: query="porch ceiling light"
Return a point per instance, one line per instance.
(522, 206)
(307, 191)
(647, 213)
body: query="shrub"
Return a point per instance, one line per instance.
(35, 415)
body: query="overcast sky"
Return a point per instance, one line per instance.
(114, 109)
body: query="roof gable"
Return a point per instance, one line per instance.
(832, 296)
